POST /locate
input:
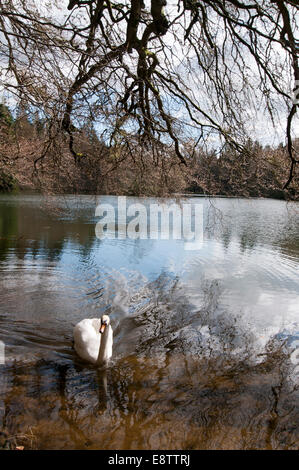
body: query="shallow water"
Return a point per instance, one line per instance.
(205, 342)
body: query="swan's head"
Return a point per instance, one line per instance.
(105, 321)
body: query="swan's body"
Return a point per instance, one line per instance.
(93, 339)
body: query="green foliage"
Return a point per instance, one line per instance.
(5, 115)
(7, 183)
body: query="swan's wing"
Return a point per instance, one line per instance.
(87, 339)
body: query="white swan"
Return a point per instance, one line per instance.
(93, 339)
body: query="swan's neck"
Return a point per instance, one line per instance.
(104, 344)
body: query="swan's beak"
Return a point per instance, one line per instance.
(102, 329)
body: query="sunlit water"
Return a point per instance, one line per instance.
(205, 342)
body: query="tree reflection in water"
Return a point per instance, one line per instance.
(181, 378)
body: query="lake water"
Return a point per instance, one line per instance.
(205, 341)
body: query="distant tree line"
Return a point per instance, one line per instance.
(102, 169)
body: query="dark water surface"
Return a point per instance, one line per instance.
(205, 342)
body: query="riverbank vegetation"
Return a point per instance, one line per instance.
(258, 171)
